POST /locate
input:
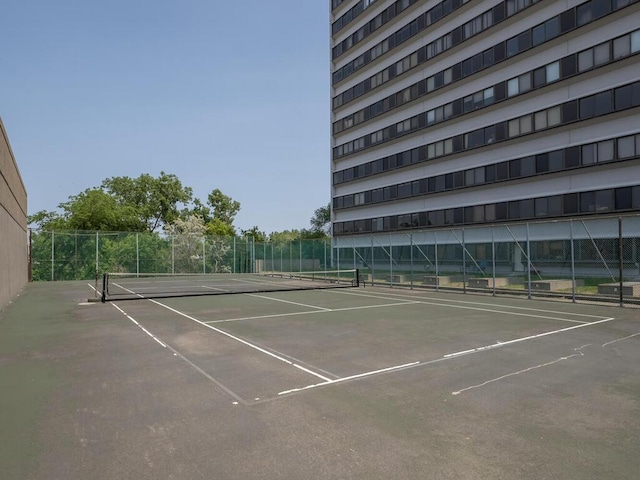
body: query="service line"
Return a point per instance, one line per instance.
(244, 342)
(450, 356)
(324, 310)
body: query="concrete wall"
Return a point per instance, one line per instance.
(13, 224)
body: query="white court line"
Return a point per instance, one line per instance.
(276, 315)
(470, 303)
(620, 339)
(244, 342)
(530, 337)
(138, 325)
(579, 354)
(214, 288)
(178, 354)
(352, 377)
(288, 301)
(444, 357)
(464, 307)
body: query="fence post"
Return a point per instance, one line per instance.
(573, 264)
(464, 264)
(411, 258)
(620, 264)
(528, 265)
(373, 261)
(353, 240)
(338, 253)
(390, 260)
(173, 254)
(324, 249)
(30, 257)
(493, 258)
(435, 242)
(53, 258)
(97, 242)
(234, 254)
(137, 256)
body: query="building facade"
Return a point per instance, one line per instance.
(468, 112)
(13, 224)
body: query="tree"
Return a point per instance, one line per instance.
(321, 221)
(44, 220)
(255, 234)
(218, 228)
(285, 236)
(92, 209)
(224, 207)
(155, 199)
(195, 252)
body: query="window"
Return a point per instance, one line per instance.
(601, 54)
(528, 166)
(526, 124)
(626, 147)
(538, 35)
(502, 171)
(584, 13)
(585, 60)
(512, 46)
(553, 72)
(603, 103)
(514, 127)
(621, 47)
(570, 201)
(604, 200)
(605, 151)
(539, 77)
(554, 116)
(554, 205)
(635, 41)
(541, 207)
(587, 107)
(589, 154)
(623, 198)
(587, 202)
(556, 160)
(526, 208)
(623, 97)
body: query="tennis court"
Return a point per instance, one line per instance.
(334, 383)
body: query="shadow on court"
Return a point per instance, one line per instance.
(345, 384)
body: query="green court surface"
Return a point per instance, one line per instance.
(356, 383)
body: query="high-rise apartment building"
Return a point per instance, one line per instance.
(464, 112)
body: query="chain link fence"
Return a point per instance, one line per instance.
(595, 259)
(79, 255)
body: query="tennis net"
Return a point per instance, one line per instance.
(136, 286)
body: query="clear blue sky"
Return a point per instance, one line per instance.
(224, 94)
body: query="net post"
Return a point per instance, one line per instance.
(357, 277)
(103, 296)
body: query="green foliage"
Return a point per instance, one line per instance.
(284, 236)
(219, 228)
(95, 209)
(224, 207)
(254, 234)
(154, 199)
(321, 221)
